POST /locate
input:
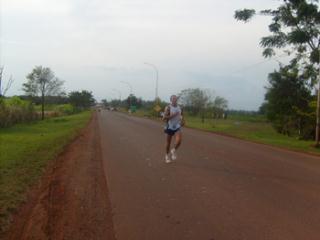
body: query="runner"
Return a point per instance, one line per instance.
(173, 115)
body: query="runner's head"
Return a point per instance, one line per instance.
(173, 99)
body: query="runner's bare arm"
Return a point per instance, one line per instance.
(183, 122)
(166, 114)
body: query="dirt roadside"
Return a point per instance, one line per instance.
(71, 201)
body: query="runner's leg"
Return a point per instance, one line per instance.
(168, 143)
(178, 140)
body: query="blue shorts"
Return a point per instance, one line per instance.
(171, 132)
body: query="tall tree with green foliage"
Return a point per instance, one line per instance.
(195, 100)
(219, 106)
(199, 101)
(104, 102)
(81, 100)
(295, 28)
(131, 100)
(288, 100)
(42, 81)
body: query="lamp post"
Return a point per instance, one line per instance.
(157, 77)
(116, 90)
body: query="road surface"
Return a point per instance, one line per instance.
(112, 183)
(220, 188)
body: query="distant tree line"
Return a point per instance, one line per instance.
(195, 102)
(203, 103)
(41, 88)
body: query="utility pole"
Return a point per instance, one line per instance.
(318, 106)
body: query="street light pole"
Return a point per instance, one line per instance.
(157, 77)
(116, 90)
(130, 96)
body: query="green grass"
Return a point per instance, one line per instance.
(247, 118)
(25, 150)
(249, 127)
(254, 130)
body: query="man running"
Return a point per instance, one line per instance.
(174, 116)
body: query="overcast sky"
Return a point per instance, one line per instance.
(99, 44)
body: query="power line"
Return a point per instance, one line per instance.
(259, 63)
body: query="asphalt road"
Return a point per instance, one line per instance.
(219, 188)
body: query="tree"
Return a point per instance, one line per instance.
(263, 108)
(198, 101)
(201, 101)
(219, 106)
(295, 28)
(4, 90)
(104, 102)
(288, 100)
(61, 99)
(42, 81)
(195, 100)
(132, 102)
(81, 100)
(116, 103)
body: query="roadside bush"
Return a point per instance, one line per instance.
(14, 110)
(67, 109)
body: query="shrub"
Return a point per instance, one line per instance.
(66, 109)
(14, 110)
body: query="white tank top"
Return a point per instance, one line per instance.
(175, 122)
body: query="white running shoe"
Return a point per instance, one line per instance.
(167, 159)
(173, 154)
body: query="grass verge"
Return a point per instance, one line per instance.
(251, 128)
(257, 131)
(25, 150)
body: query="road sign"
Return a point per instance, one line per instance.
(157, 108)
(133, 108)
